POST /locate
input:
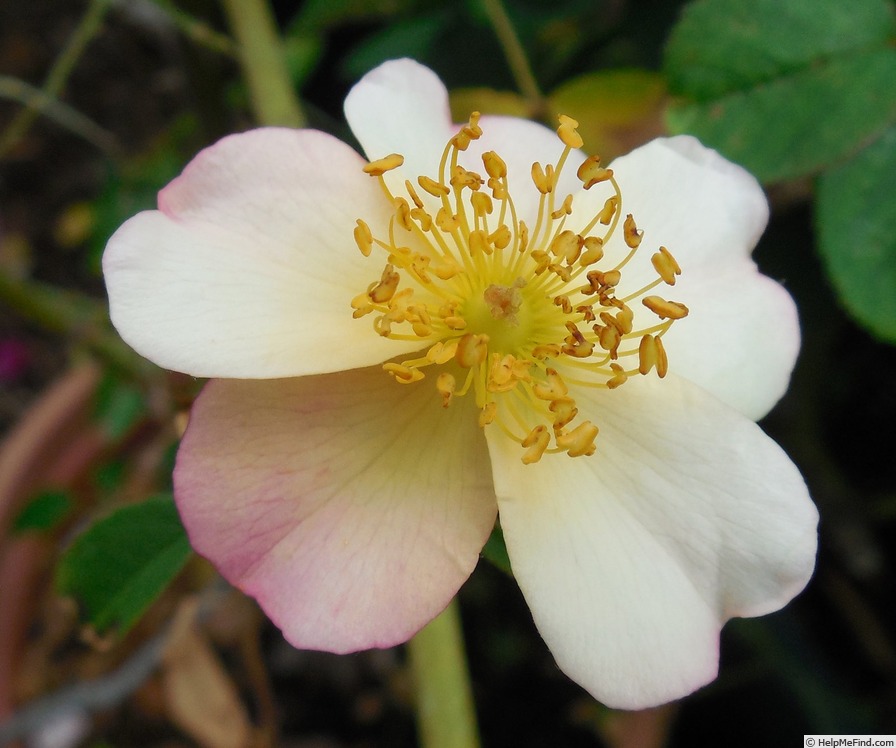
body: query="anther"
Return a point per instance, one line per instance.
(361, 305)
(403, 214)
(424, 219)
(441, 353)
(403, 374)
(665, 309)
(385, 289)
(579, 441)
(488, 413)
(619, 376)
(494, 165)
(413, 193)
(363, 237)
(461, 178)
(666, 266)
(564, 210)
(591, 172)
(446, 221)
(567, 245)
(651, 353)
(445, 384)
(631, 233)
(609, 210)
(536, 442)
(543, 178)
(603, 280)
(564, 410)
(552, 388)
(609, 338)
(500, 237)
(472, 350)
(502, 375)
(482, 203)
(567, 132)
(593, 251)
(479, 243)
(382, 165)
(432, 187)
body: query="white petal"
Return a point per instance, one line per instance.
(249, 267)
(688, 198)
(401, 107)
(632, 559)
(741, 338)
(350, 506)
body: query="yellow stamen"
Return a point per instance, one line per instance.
(516, 319)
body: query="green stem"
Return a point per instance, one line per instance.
(38, 102)
(89, 26)
(516, 57)
(446, 717)
(261, 54)
(196, 30)
(73, 315)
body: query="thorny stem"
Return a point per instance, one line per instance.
(261, 54)
(516, 57)
(88, 27)
(446, 717)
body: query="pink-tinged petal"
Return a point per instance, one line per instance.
(352, 507)
(632, 559)
(249, 267)
(401, 107)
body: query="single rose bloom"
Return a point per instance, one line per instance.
(478, 322)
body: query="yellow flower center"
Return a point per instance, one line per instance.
(509, 315)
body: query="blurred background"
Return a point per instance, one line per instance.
(103, 102)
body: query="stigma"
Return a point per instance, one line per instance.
(517, 312)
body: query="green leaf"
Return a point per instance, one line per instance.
(784, 87)
(43, 512)
(410, 37)
(722, 46)
(123, 562)
(856, 216)
(119, 406)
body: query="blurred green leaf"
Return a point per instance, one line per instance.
(43, 512)
(411, 37)
(784, 87)
(303, 52)
(119, 406)
(123, 562)
(856, 216)
(319, 15)
(723, 46)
